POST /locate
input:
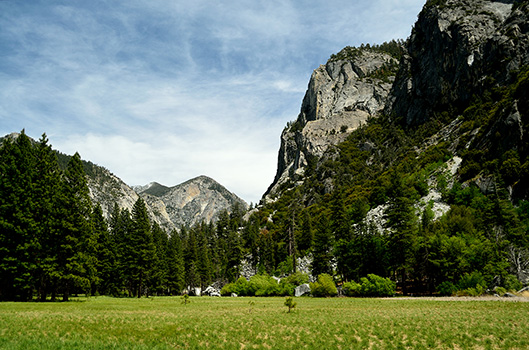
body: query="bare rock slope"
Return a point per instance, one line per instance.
(341, 95)
(196, 200)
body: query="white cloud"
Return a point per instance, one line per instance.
(165, 91)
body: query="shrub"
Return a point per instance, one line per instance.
(296, 279)
(240, 287)
(263, 285)
(512, 284)
(352, 289)
(227, 289)
(471, 280)
(471, 284)
(290, 303)
(446, 288)
(286, 289)
(371, 286)
(324, 286)
(500, 291)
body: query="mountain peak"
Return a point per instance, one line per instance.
(195, 200)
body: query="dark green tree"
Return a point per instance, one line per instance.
(306, 233)
(142, 254)
(191, 260)
(18, 228)
(120, 230)
(76, 258)
(159, 275)
(175, 264)
(46, 191)
(322, 248)
(106, 255)
(204, 268)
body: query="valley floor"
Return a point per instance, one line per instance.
(264, 323)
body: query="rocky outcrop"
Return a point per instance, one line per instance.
(196, 200)
(458, 48)
(302, 290)
(109, 190)
(341, 96)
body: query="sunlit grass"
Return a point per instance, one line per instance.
(235, 323)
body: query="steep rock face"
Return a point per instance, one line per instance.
(458, 48)
(196, 200)
(341, 96)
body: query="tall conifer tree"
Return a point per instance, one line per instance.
(47, 192)
(76, 248)
(18, 231)
(143, 248)
(175, 264)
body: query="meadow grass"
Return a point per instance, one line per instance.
(263, 323)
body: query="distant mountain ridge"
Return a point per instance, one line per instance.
(196, 200)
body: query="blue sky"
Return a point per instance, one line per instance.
(168, 90)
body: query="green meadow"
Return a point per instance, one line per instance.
(264, 323)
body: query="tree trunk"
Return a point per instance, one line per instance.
(66, 293)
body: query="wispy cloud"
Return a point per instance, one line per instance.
(164, 91)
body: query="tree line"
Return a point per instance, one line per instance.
(55, 242)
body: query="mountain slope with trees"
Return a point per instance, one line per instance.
(432, 192)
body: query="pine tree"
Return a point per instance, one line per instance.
(306, 235)
(106, 255)
(175, 264)
(76, 260)
(250, 239)
(120, 229)
(47, 193)
(191, 259)
(322, 254)
(158, 278)
(204, 268)
(143, 248)
(18, 229)
(403, 223)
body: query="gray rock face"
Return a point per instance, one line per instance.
(211, 291)
(340, 97)
(108, 190)
(193, 201)
(304, 289)
(458, 49)
(196, 200)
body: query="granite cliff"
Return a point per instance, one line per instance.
(342, 95)
(457, 49)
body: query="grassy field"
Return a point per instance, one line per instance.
(263, 323)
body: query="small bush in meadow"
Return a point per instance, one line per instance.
(290, 303)
(323, 287)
